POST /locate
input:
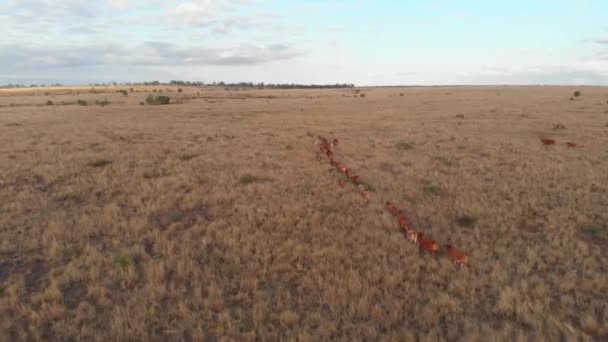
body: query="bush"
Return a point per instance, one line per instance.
(141, 103)
(466, 221)
(100, 163)
(432, 190)
(122, 262)
(403, 145)
(49, 103)
(362, 95)
(102, 103)
(179, 90)
(82, 102)
(247, 179)
(577, 93)
(158, 100)
(131, 90)
(163, 100)
(124, 92)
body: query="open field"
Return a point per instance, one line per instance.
(212, 218)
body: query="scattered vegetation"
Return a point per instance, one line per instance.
(445, 161)
(559, 127)
(122, 262)
(577, 93)
(404, 145)
(70, 198)
(102, 103)
(82, 102)
(124, 92)
(100, 163)
(431, 189)
(49, 103)
(596, 233)
(187, 156)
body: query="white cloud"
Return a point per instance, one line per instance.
(149, 54)
(197, 13)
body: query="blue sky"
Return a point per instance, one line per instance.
(333, 41)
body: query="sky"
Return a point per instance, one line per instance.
(379, 42)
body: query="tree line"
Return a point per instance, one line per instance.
(260, 85)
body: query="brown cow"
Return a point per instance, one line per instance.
(427, 243)
(458, 258)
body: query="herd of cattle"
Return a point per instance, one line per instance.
(423, 241)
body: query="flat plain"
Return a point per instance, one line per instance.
(211, 218)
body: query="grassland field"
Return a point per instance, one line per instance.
(211, 219)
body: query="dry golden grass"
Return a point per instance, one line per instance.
(212, 218)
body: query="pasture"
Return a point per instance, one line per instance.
(211, 217)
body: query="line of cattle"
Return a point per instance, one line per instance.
(418, 238)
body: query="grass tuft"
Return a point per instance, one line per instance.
(444, 161)
(596, 233)
(100, 163)
(247, 179)
(187, 156)
(122, 262)
(102, 103)
(432, 190)
(466, 221)
(404, 146)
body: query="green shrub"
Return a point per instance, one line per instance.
(124, 92)
(466, 221)
(158, 100)
(100, 163)
(403, 145)
(122, 262)
(163, 100)
(102, 103)
(247, 179)
(432, 190)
